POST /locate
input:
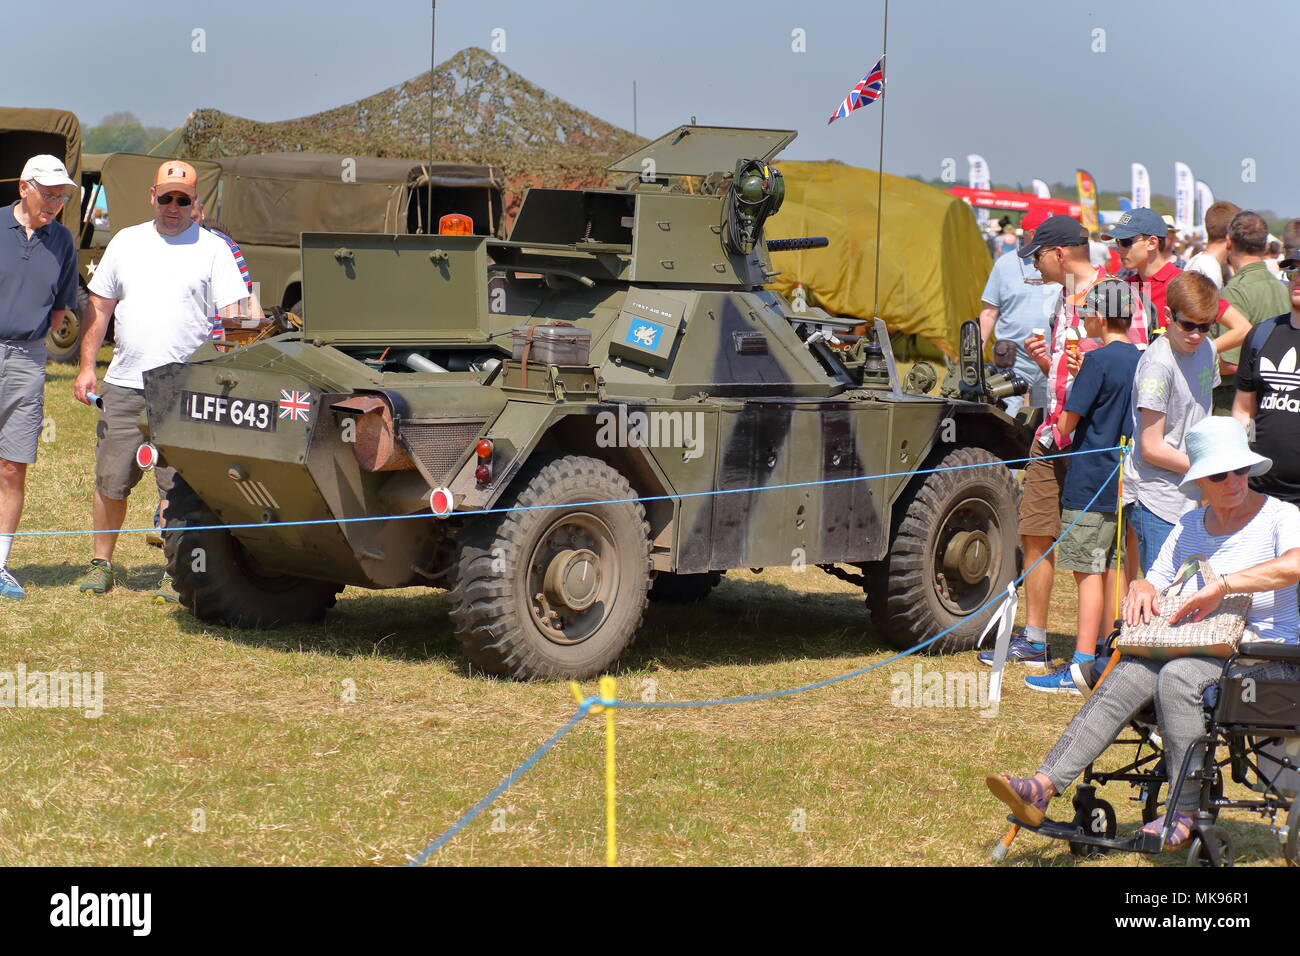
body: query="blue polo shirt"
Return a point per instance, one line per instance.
(37, 276)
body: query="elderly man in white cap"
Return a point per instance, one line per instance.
(38, 283)
(1236, 529)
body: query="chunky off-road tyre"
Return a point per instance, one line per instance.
(216, 580)
(953, 549)
(669, 588)
(64, 345)
(557, 590)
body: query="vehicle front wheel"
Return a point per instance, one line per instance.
(556, 587)
(64, 343)
(953, 551)
(216, 581)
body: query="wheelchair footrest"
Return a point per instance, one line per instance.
(1060, 830)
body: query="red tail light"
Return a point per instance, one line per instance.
(146, 456)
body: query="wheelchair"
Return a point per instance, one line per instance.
(1252, 737)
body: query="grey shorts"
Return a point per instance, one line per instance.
(118, 434)
(22, 399)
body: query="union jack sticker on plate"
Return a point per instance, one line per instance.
(294, 405)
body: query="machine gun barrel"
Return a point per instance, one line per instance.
(792, 245)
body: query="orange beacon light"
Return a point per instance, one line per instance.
(455, 224)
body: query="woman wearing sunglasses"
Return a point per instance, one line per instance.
(1235, 530)
(1172, 391)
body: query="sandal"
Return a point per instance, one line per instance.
(1026, 796)
(1180, 834)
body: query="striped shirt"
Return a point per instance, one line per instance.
(217, 330)
(1273, 531)
(1059, 379)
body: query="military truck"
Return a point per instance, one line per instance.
(605, 408)
(269, 199)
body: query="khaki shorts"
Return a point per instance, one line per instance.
(1089, 547)
(118, 433)
(1040, 505)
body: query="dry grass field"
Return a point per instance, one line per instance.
(356, 741)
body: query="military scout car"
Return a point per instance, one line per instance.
(604, 408)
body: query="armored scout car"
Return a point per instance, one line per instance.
(604, 408)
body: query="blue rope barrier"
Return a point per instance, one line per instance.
(575, 504)
(750, 698)
(505, 785)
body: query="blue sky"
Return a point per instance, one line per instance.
(1027, 85)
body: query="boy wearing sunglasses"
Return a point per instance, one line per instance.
(165, 279)
(1172, 391)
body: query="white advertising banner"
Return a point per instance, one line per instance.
(1184, 192)
(1141, 193)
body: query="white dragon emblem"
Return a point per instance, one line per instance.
(644, 335)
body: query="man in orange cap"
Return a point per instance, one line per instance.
(166, 279)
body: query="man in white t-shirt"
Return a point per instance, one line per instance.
(1212, 263)
(165, 279)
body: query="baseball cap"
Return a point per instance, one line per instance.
(1111, 299)
(1291, 259)
(1033, 219)
(1137, 222)
(46, 170)
(1056, 231)
(176, 176)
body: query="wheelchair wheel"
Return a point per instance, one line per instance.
(1097, 817)
(1212, 847)
(1292, 849)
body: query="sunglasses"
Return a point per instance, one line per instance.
(181, 200)
(1125, 243)
(1038, 253)
(1190, 327)
(1290, 272)
(1223, 475)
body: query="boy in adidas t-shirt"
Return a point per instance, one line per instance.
(1268, 392)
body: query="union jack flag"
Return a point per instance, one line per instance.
(295, 405)
(867, 91)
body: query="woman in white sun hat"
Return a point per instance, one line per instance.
(1236, 529)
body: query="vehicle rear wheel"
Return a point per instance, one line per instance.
(953, 551)
(64, 344)
(215, 578)
(556, 588)
(669, 588)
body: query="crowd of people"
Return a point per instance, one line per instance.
(168, 284)
(1194, 364)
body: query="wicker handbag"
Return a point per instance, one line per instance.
(1217, 635)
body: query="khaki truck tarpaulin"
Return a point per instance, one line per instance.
(25, 133)
(126, 178)
(933, 262)
(270, 198)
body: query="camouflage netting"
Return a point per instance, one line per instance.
(484, 113)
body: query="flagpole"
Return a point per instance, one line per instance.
(880, 163)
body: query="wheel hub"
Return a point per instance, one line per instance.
(572, 579)
(967, 557)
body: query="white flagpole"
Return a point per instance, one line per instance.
(880, 163)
